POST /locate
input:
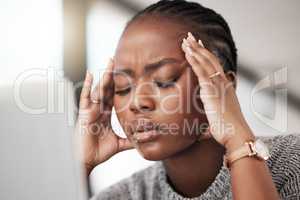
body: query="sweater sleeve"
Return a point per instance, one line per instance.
(291, 164)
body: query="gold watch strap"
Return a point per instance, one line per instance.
(243, 151)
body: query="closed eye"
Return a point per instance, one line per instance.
(160, 84)
(123, 92)
(166, 84)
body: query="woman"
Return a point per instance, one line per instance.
(172, 83)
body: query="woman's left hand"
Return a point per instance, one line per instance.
(227, 124)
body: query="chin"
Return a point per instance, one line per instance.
(151, 151)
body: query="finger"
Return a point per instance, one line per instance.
(204, 62)
(195, 64)
(102, 91)
(209, 78)
(199, 47)
(209, 92)
(192, 40)
(189, 55)
(211, 87)
(203, 56)
(125, 144)
(213, 59)
(88, 81)
(86, 90)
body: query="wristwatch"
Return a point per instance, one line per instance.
(255, 148)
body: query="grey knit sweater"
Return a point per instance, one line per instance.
(151, 183)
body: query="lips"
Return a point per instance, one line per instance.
(143, 125)
(145, 130)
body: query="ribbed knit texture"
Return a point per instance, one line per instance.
(151, 183)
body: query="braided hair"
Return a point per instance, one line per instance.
(205, 24)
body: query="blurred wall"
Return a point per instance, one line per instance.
(30, 37)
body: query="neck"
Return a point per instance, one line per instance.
(193, 170)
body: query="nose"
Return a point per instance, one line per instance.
(143, 99)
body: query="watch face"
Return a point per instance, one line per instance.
(261, 149)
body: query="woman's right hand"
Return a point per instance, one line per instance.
(99, 141)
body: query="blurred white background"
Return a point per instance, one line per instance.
(30, 37)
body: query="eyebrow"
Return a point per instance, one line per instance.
(149, 67)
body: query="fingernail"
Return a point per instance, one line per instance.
(88, 74)
(186, 42)
(189, 51)
(191, 36)
(183, 46)
(201, 44)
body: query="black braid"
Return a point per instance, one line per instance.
(206, 24)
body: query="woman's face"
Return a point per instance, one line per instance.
(154, 85)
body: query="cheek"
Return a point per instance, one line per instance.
(170, 102)
(121, 103)
(121, 107)
(179, 98)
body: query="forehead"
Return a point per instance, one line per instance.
(149, 39)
